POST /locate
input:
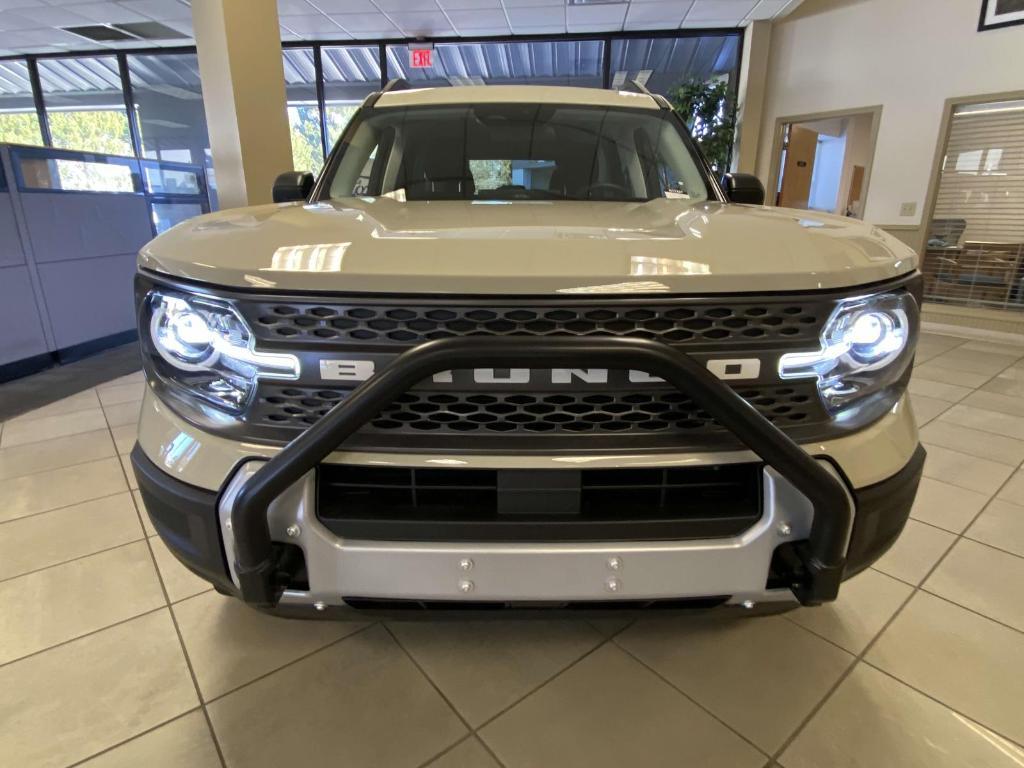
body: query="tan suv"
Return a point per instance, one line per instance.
(517, 347)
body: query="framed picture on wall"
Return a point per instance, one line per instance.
(1000, 13)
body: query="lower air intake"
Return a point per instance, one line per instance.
(413, 504)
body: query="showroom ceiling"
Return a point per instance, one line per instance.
(40, 26)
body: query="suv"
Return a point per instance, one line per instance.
(517, 347)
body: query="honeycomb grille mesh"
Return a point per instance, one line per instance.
(718, 323)
(520, 412)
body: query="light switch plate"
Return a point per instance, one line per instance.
(908, 209)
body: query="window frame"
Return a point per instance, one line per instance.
(382, 45)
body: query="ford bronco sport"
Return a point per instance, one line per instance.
(517, 347)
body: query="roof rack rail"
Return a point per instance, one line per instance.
(395, 84)
(660, 100)
(640, 87)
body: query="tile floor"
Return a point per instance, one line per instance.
(111, 654)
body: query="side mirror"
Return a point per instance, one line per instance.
(292, 186)
(743, 188)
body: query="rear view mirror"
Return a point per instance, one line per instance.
(292, 186)
(743, 188)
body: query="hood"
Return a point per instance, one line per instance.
(520, 247)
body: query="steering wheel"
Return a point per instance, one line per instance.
(608, 189)
(513, 192)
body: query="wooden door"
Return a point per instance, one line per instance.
(853, 204)
(799, 167)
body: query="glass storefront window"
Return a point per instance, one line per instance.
(303, 110)
(351, 73)
(170, 181)
(168, 101)
(85, 104)
(662, 64)
(19, 123)
(166, 215)
(39, 170)
(549, 62)
(974, 247)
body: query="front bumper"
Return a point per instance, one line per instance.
(191, 522)
(807, 529)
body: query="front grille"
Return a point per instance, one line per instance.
(470, 416)
(735, 322)
(652, 411)
(397, 503)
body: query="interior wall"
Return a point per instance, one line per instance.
(909, 56)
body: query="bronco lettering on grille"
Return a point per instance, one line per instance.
(360, 370)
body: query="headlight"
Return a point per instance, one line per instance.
(204, 350)
(866, 346)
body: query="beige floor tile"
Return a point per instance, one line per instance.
(983, 361)
(360, 702)
(178, 580)
(44, 491)
(764, 694)
(930, 345)
(611, 625)
(124, 437)
(38, 541)
(964, 470)
(482, 667)
(121, 393)
(1013, 491)
(1012, 405)
(140, 505)
(874, 721)
(53, 454)
(73, 701)
(132, 378)
(993, 348)
(468, 754)
(866, 602)
(182, 743)
(122, 413)
(946, 506)
(1001, 525)
(50, 427)
(986, 421)
(231, 644)
(1010, 382)
(934, 372)
(129, 471)
(915, 552)
(1005, 450)
(967, 662)
(610, 711)
(54, 605)
(81, 401)
(983, 579)
(927, 408)
(951, 393)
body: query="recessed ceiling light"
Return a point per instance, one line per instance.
(151, 30)
(143, 30)
(100, 33)
(597, 2)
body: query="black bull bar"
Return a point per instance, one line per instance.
(821, 557)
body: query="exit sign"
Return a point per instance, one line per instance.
(421, 58)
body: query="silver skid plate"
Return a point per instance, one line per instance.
(340, 567)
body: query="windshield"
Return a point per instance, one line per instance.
(516, 152)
